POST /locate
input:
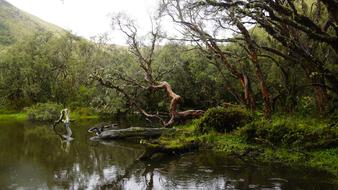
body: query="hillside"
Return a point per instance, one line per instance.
(16, 24)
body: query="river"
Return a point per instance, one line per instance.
(32, 156)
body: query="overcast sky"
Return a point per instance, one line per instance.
(88, 18)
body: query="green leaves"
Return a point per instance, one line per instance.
(44, 112)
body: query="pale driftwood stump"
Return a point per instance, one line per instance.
(64, 118)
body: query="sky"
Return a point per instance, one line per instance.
(89, 18)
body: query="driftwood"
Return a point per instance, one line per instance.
(131, 132)
(64, 118)
(98, 129)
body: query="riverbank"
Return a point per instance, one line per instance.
(293, 141)
(24, 116)
(47, 112)
(37, 155)
(285, 140)
(14, 116)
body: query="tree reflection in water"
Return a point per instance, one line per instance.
(65, 144)
(33, 157)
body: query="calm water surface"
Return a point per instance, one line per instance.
(32, 156)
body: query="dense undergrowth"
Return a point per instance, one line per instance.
(289, 140)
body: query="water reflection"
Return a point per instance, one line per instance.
(65, 144)
(32, 156)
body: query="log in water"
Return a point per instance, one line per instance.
(131, 132)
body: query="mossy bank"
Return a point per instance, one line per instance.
(288, 140)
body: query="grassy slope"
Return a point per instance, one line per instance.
(16, 24)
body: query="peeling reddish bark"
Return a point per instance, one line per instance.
(262, 86)
(248, 98)
(252, 51)
(144, 53)
(321, 96)
(174, 101)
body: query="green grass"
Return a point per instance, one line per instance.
(22, 116)
(231, 144)
(13, 116)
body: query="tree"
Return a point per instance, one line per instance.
(305, 28)
(195, 30)
(41, 68)
(143, 52)
(197, 21)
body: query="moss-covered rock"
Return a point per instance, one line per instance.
(223, 119)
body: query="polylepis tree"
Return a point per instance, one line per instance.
(209, 28)
(143, 51)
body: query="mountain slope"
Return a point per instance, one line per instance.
(16, 24)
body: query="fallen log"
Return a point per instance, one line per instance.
(131, 132)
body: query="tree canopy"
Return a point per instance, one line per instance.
(270, 56)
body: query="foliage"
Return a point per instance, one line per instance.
(6, 37)
(44, 112)
(190, 72)
(306, 105)
(223, 119)
(84, 113)
(46, 67)
(291, 132)
(326, 159)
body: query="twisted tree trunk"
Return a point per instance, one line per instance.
(174, 101)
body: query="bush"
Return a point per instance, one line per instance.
(223, 119)
(85, 111)
(291, 133)
(306, 105)
(44, 112)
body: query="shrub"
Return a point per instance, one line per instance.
(44, 111)
(291, 133)
(306, 105)
(223, 119)
(85, 111)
